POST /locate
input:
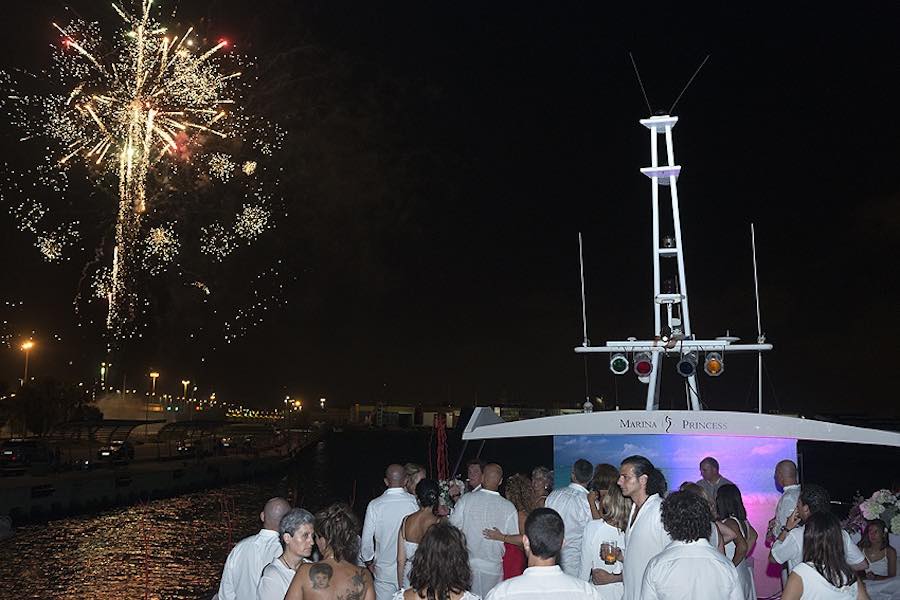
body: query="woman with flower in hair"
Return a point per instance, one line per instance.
(414, 526)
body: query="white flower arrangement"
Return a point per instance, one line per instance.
(448, 485)
(883, 505)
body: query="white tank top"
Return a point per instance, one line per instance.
(816, 587)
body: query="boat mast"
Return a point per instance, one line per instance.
(672, 333)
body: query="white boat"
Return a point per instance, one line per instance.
(747, 445)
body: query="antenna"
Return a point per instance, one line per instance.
(688, 84)
(585, 342)
(643, 91)
(760, 338)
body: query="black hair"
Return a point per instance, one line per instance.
(476, 461)
(583, 471)
(823, 548)
(686, 516)
(428, 493)
(729, 503)
(545, 531)
(656, 481)
(815, 497)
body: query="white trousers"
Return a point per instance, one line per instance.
(484, 581)
(385, 590)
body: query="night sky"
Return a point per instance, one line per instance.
(441, 159)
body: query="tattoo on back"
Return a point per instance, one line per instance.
(357, 587)
(320, 575)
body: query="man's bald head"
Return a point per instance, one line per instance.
(786, 473)
(493, 475)
(395, 476)
(273, 511)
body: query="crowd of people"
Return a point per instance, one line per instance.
(613, 533)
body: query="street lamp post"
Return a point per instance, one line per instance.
(26, 348)
(154, 375)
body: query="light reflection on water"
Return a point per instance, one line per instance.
(171, 548)
(176, 547)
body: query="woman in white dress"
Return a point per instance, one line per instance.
(440, 568)
(733, 515)
(824, 573)
(414, 526)
(610, 527)
(876, 545)
(295, 532)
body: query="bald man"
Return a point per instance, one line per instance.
(246, 561)
(786, 481)
(379, 536)
(477, 511)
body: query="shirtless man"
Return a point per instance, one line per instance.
(337, 576)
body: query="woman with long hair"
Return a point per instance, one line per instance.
(610, 527)
(876, 545)
(440, 568)
(733, 515)
(414, 526)
(337, 574)
(518, 491)
(414, 474)
(824, 573)
(605, 475)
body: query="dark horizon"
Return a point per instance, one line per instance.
(440, 163)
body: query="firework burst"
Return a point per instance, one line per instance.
(135, 112)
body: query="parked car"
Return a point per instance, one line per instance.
(19, 454)
(117, 451)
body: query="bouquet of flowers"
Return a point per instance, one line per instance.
(451, 490)
(882, 505)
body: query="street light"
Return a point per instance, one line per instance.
(26, 348)
(185, 383)
(322, 403)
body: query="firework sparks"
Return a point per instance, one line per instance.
(252, 221)
(123, 113)
(221, 166)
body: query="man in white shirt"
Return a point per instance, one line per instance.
(788, 546)
(571, 503)
(785, 480)
(246, 561)
(710, 480)
(543, 540)
(483, 509)
(378, 548)
(689, 567)
(645, 536)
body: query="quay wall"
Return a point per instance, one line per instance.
(29, 497)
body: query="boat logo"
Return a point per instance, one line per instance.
(668, 423)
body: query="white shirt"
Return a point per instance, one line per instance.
(786, 505)
(379, 535)
(816, 587)
(644, 538)
(572, 505)
(276, 579)
(595, 533)
(245, 564)
(542, 583)
(690, 570)
(480, 510)
(790, 550)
